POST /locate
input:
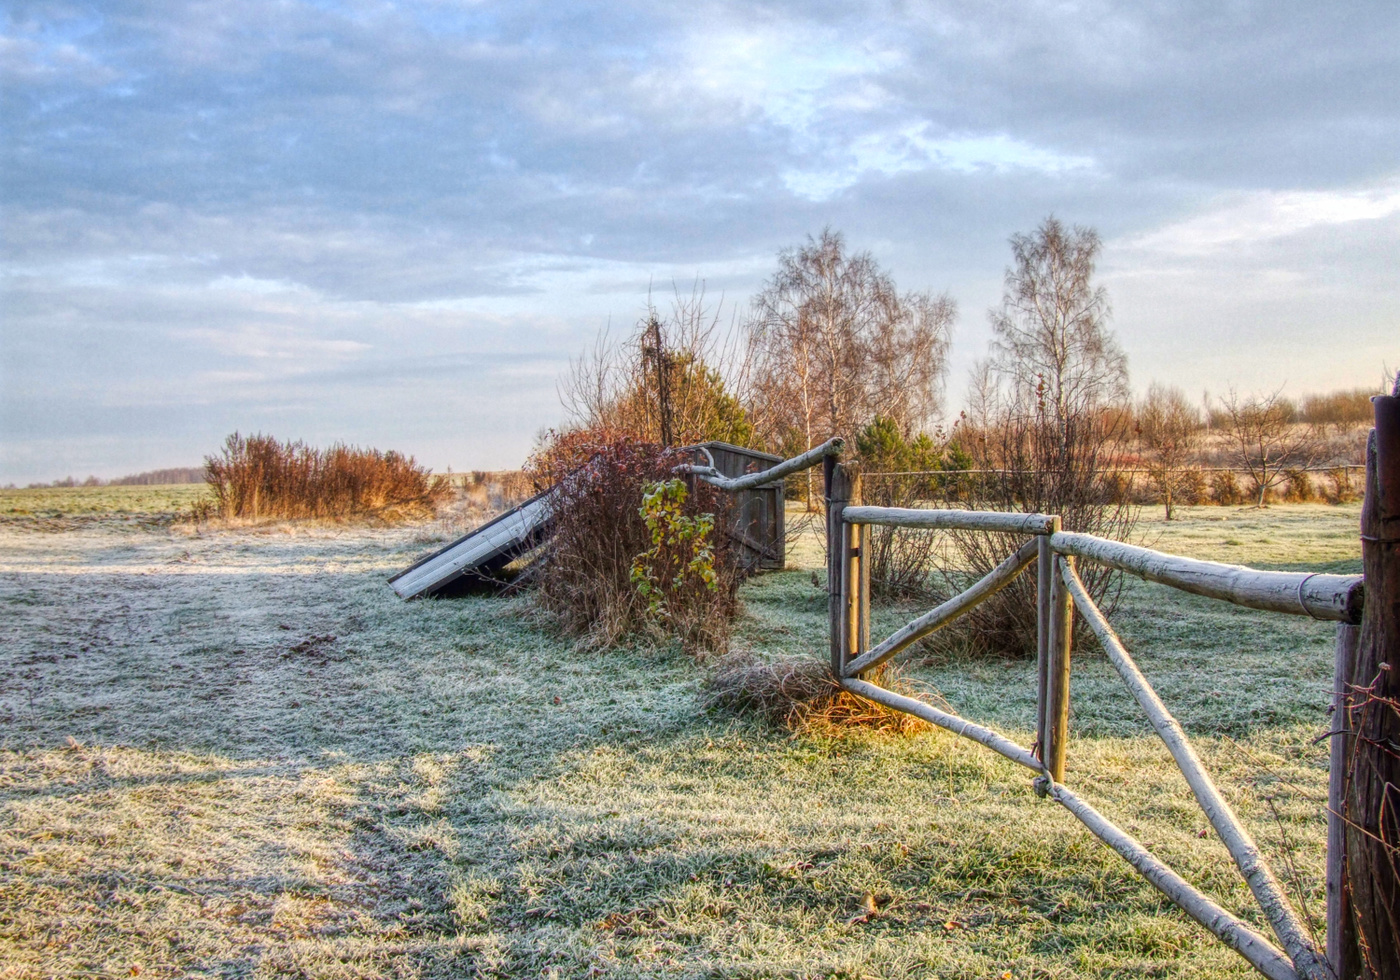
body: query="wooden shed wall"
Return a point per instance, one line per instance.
(758, 527)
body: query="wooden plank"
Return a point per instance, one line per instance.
(1331, 597)
(515, 529)
(943, 614)
(1237, 840)
(953, 520)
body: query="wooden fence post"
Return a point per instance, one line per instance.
(1044, 574)
(857, 593)
(1373, 686)
(838, 495)
(1341, 931)
(1061, 638)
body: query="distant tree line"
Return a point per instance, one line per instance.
(176, 474)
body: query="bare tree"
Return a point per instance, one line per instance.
(1169, 430)
(675, 380)
(834, 344)
(1266, 439)
(1051, 342)
(1045, 420)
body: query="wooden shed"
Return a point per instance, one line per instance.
(758, 526)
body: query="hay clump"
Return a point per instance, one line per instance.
(802, 695)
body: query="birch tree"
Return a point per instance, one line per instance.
(834, 343)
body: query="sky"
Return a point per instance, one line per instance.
(393, 224)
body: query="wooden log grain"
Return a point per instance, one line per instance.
(1331, 597)
(1262, 955)
(1237, 840)
(953, 520)
(943, 614)
(958, 726)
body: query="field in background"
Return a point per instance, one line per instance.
(234, 752)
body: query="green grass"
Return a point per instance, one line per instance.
(110, 502)
(194, 780)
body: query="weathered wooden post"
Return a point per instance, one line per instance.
(1372, 813)
(857, 598)
(838, 495)
(1061, 638)
(1044, 574)
(1341, 931)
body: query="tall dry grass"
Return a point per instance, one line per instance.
(258, 476)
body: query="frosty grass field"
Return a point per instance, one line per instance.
(233, 751)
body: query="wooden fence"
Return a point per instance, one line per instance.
(1060, 592)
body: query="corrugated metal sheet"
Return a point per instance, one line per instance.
(487, 549)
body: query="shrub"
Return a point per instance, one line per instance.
(1192, 487)
(1225, 488)
(1034, 464)
(258, 476)
(1300, 487)
(1341, 489)
(900, 472)
(602, 534)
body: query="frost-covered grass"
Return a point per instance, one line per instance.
(234, 752)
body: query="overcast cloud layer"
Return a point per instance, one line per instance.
(393, 223)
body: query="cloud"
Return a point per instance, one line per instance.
(1264, 216)
(241, 189)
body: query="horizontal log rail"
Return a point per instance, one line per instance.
(1331, 597)
(950, 520)
(832, 447)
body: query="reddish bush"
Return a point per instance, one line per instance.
(586, 583)
(257, 476)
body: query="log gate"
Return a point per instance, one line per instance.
(1060, 592)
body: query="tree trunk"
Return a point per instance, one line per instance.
(1373, 793)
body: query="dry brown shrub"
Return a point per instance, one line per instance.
(585, 582)
(258, 476)
(1225, 488)
(802, 695)
(1299, 488)
(1340, 487)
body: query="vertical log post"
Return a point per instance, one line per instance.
(838, 495)
(1341, 931)
(857, 599)
(1044, 573)
(1373, 687)
(1061, 637)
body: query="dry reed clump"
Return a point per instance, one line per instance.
(258, 476)
(803, 696)
(587, 584)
